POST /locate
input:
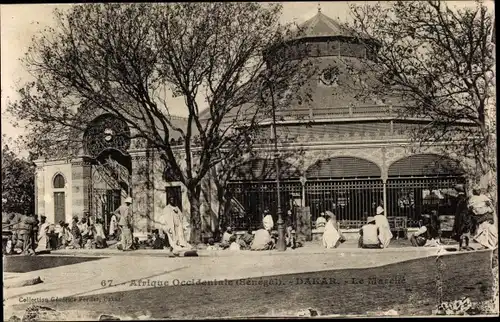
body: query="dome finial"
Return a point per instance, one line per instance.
(319, 7)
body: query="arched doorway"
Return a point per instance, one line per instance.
(106, 142)
(348, 186)
(420, 183)
(253, 189)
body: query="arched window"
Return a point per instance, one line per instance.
(59, 181)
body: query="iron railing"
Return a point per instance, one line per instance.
(413, 196)
(255, 197)
(350, 200)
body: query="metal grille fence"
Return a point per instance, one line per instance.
(350, 200)
(252, 198)
(411, 197)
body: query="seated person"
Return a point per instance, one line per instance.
(321, 222)
(479, 203)
(368, 235)
(246, 239)
(262, 240)
(332, 237)
(429, 232)
(211, 245)
(234, 245)
(225, 243)
(157, 241)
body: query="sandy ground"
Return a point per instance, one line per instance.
(123, 281)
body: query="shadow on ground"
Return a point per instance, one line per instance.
(411, 288)
(24, 264)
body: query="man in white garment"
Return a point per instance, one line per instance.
(385, 234)
(268, 221)
(113, 227)
(171, 223)
(43, 238)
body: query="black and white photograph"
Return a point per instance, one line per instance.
(249, 160)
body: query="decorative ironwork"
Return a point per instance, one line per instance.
(106, 132)
(103, 203)
(411, 197)
(329, 76)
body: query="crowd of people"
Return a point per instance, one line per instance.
(30, 235)
(474, 220)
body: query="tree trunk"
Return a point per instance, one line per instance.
(194, 201)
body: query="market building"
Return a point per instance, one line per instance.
(347, 156)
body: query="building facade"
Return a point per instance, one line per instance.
(341, 154)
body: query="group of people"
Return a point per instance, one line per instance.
(474, 219)
(264, 238)
(376, 233)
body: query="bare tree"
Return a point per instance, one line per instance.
(436, 63)
(120, 59)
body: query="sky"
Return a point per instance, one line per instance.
(19, 23)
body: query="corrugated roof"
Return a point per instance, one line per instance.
(323, 26)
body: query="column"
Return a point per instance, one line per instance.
(384, 182)
(81, 172)
(39, 189)
(141, 192)
(384, 174)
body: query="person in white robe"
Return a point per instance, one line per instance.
(331, 236)
(113, 227)
(262, 240)
(385, 234)
(171, 223)
(268, 221)
(321, 222)
(43, 238)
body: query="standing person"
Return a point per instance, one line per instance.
(180, 224)
(99, 236)
(172, 225)
(268, 221)
(25, 233)
(84, 230)
(43, 235)
(485, 232)
(369, 235)
(463, 221)
(385, 234)
(113, 227)
(165, 224)
(76, 235)
(34, 235)
(125, 223)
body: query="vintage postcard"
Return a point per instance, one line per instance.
(249, 160)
